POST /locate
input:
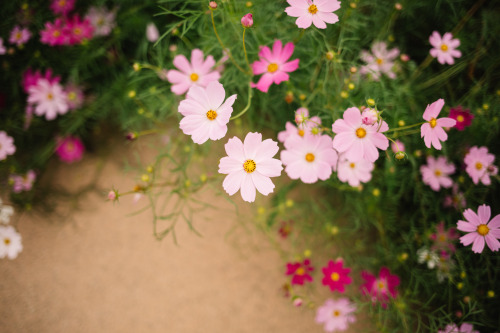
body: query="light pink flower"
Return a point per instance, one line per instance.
(381, 288)
(19, 36)
(317, 12)
(70, 149)
(480, 229)
(397, 146)
(21, 183)
(443, 238)
(436, 172)
(102, 20)
(479, 165)
(249, 166)
(432, 131)
(74, 95)
(380, 61)
(354, 173)
(197, 73)
(10, 242)
(7, 146)
(274, 65)
(456, 199)
(308, 127)
(444, 48)
(62, 7)
(453, 328)
(336, 314)
(309, 158)
(247, 20)
(30, 78)
(205, 113)
(3, 50)
(152, 33)
(357, 140)
(50, 99)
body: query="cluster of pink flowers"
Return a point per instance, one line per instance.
(21, 183)
(66, 31)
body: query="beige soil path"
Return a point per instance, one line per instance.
(101, 271)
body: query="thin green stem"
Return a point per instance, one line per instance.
(405, 127)
(250, 93)
(245, 51)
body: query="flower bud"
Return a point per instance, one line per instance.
(212, 5)
(247, 20)
(112, 195)
(369, 116)
(131, 136)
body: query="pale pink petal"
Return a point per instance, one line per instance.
(205, 79)
(248, 189)
(447, 38)
(270, 168)
(455, 53)
(466, 226)
(340, 126)
(229, 165)
(299, 3)
(290, 66)
(216, 131)
(493, 244)
(380, 141)
(440, 133)
(262, 183)
(295, 11)
(323, 170)
(294, 169)
(370, 151)
(343, 141)
(266, 150)
(196, 60)
(469, 238)
(206, 66)
(471, 216)
(182, 64)
(181, 88)
(233, 181)
(251, 145)
(234, 149)
(435, 39)
(495, 233)
(352, 117)
(201, 134)
(356, 152)
(199, 95)
(446, 122)
(174, 76)
(478, 245)
(484, 213)
(216, 94)
(495, 222)
(327, 5)
(190, 107)
(454, 43)
(435, 141)
(304, 21)
(225, 110)
(259, 67)
(434, 53)
(307, 175)
(318, 22)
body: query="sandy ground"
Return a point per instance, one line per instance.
(100, 270)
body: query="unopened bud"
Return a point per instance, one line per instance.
(212, 5)
(131, 136)
(247, 20)
(330, 55)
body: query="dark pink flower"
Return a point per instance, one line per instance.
(79, 31)
(285, 228)
(336, 276)
(463, 117)
(380, 288)
(70, 149)
(30, 78)
(443, 238)
(62, 7)
(55, 33)
(300, 272)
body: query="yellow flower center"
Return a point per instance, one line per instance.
(460, 118)
(335, 276)
(272, 68)
(309, 157)
(483, 229)
(352, 165)
(56, 33)
(444, 47)
(433, 122)
(442, 238)
(361, 132)
(77, 31)
(313, 9)
(336, 313)
(72, 96)
(479, 165)
(301, 132)
(18, 35)
(381, 285)
(438, 173)
(70, 146)
(50, 96)
(194, 77)
(300, 271)
(379, 61)
(6, 241)
(249, 166)
(211, 114)
(62, 3)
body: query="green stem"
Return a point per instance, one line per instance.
(245, 51)
(250, 93)
(405, 127)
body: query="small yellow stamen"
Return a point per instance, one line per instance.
(361, 132)
(381, 285)
(352, 165)
(460, 118)
(438, 173)
(77, 31)
(433, 122)
(211, 114)
(71, 96)
(309, 157)
(313, 9)
(442, 238)
(50, 96)
(56, 33)
(301, 132)
(300, 271)
(483, 229)
(62, 2)
(272, 68)
(336, 313)
(18, 35)
(194, 77)
(444, 47)
(335, 276)
(249, 166)
(379, 61)
(70, 146)
(479, 165)
(6, 241)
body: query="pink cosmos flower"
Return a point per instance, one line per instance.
(10, 242)
(309, 158)
(453, 328)
(432, 131)
(354, 173)
(397, 146)
(102, 20)
(197, 73)
(62, 7)
(247, 20)
(357, 140)
(70, 149)
(463, 117)
(30, 78)
(444, 48)
(443, 238)
(21, 183)
(75, 96)
(6, 145)
(205, 113)
(249, 166)
(19, 36)
(152, 33)
(336, 276)
(480, 229)
(336, 314)
(3, 50)
(300, 272)
(55, 33)
(479, 165)
(317, 12)
(50, 99)
(380, 61)
(79, 31)
(456, 199)
(436, 172)
(274, 65)
(381, 288)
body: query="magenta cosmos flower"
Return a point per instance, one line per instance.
(55, 33)
(354, 173)
(479, 165)
(50, 99)
(480, 229)
(336, 314)
(249, 166)
(205, 113)
(21, 183)
(79, 31)
(358, 140)
(198, 72)
(380, 61)
(19, 36)
(432, 131)
(309, 158)
(453, 328)
(247, 20)
(7, 146)
(456, 199)
(274, 65)
(300, 271)
(70, 149)
(436, 172)
(381, 288)
(463, 117)
(317, 12)
(444, 48)
(336, 276)
(62, 7)
(30, 78)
